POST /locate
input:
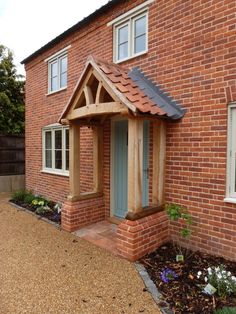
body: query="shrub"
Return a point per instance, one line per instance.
(177, 212)
(23, 196)
(19, 195)
(221, 279)
(28, 198)
(226, 310)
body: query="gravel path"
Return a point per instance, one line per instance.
(45, 270)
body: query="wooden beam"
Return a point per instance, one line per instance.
(74, 178)
(159, 156)
(97, 158)
(100, 93)
(135, 164)
(88, 95)
(94, 109)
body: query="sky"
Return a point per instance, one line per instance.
(27, 25)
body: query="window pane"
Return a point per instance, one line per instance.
(54, 69)
(58, 139)
(58, 159)
(48, 140)
(48, 159)
(140, 44)
(123, 34)
(63, 64)
(140, 26)
(123, 51)
(54, 83)
(67, 139)
(67, 160)
(63, 80)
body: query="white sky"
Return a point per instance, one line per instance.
(26, 25)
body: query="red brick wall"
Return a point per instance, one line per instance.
(192, 55)
(137, 238)
(76, 215)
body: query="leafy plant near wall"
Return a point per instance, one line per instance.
(179, 213)
(38, 205)
(226, 310)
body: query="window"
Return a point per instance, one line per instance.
(231, 165)
(131, 37)
(57, 73)
(56, 149)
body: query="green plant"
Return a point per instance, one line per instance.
(23, 196)
(226, 310)
(19, 195)
(41, 210)
(177, 212)
(28, 198)
(222, 280)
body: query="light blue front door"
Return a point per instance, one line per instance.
(120, 163)
(120, 167)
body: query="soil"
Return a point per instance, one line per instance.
(53, 216)
(184, 294)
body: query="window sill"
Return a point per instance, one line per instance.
(56, 91)
(230, 200)
(62, 174)
(131, 57)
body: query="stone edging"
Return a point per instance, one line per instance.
(35, 215)
(152, 289)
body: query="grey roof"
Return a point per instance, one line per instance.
(159, 97)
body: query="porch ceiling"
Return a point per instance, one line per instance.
(130, 91)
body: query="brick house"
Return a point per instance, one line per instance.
(134, 107)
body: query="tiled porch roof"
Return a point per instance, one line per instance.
(147, 97)
(132, 88)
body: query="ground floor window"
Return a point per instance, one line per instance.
(231, 166)
(56, 149)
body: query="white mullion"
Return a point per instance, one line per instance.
(44, 149)
(130, 35)
(58, 73)
(53, 150)
(233, 152)
(63, 149)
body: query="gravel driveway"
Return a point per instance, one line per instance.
(45, 270)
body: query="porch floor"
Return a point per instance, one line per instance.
(102, 234)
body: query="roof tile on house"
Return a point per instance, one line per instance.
(141, 91)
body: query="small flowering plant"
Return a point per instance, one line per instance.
(168, 275)
(223, 281)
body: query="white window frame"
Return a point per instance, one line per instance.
(57, 59)
(131, 40)
(231, 158)
(52, 129)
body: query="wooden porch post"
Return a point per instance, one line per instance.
(74, 161)
(159, 156)
(97, 158)
(135, 164)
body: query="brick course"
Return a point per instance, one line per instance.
(192, 55)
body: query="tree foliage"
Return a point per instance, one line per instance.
(11, 95)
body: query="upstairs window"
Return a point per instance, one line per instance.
(131, 37)
(56, 149)
(231, 164)
(57, 73)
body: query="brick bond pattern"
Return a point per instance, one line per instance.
(192, 55)
(137, 238)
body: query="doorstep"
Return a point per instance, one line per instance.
(102, 234)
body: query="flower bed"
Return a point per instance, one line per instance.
(182, 284)
(37, 204)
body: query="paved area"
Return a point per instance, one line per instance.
(45, 270)
(103, 234)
